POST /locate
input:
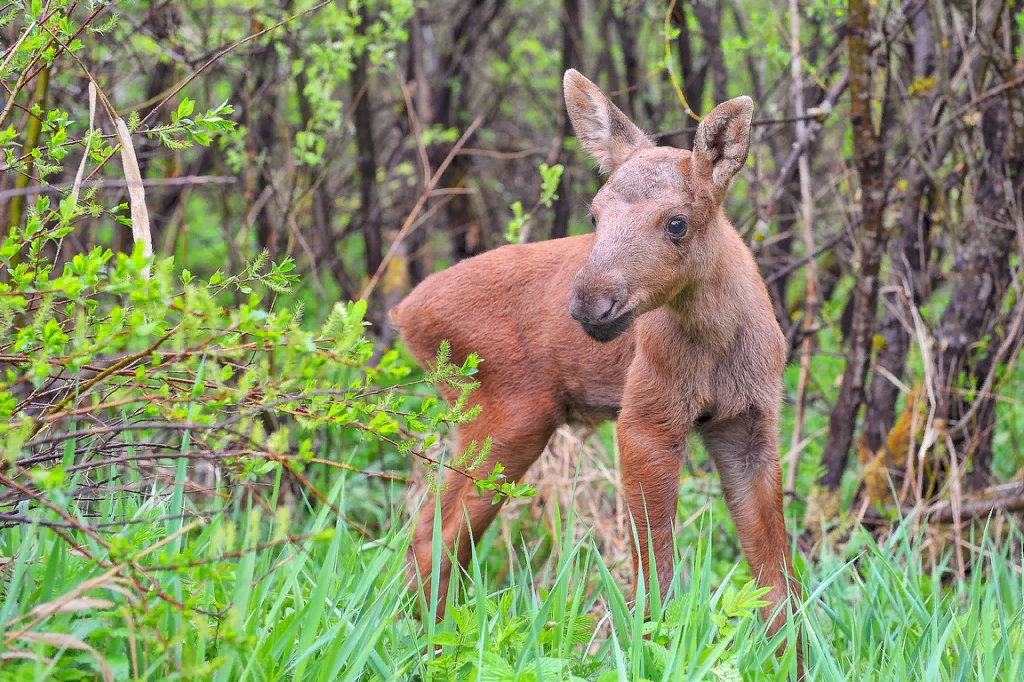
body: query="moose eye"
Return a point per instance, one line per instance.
(676, 228)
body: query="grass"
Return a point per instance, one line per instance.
(307, 592)
(252, 595)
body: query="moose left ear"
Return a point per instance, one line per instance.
(722, 142)
(605, 133)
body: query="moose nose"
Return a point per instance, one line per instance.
(593, 309)
(604, 304)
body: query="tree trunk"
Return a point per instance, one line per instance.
(869, 155)
(572, 58)
(970, 328)
(910, 258)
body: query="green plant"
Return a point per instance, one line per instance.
(549, 179)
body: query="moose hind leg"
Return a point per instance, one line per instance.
(465, 514)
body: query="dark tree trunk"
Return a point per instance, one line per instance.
(693, 76)
(968, 334)
(367, 162)
(259, 117)
(572, 58)
(464, 226)
(910, 258)
(626, 28)
(869, 155)
(369, 224)
(421, 53)
(709, 15)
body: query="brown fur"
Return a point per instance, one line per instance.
(691, 343)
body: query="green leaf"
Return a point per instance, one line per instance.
(185, 108)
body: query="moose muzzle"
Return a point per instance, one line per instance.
(599, 303)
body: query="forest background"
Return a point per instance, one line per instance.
(213, 442)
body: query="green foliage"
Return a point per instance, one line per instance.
(184, 131)
(550, 176)
(121, 388)
(105, 368)
(272, 596)
(506, 638)
(121, 559)
(327, 62)
(101, 307)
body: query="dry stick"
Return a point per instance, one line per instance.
(88, 138)
(1006, 496)
(60, 640)
(137, 195)
(955, 499)
(414, 125)
(427, 191)
(494, 154)
(925, 343)
(813, 114)
(782, 272)
(133, 177)
(793, 456)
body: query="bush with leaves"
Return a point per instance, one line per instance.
(118, 385)
(155, 423)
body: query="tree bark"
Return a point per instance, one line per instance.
(572, 58)
(367, 160)
(869, 155)
(709, 15)
(693, 76)
(970, 325)
(910, 257)
(455, 67)
(626, 28)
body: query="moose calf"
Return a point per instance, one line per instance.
(673, 333)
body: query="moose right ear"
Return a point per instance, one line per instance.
(604, 132)
(722, 142)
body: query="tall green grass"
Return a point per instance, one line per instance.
(266, 597)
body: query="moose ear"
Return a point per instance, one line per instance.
(605, 133)
(722, 142)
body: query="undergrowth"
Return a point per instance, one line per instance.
(268, 598)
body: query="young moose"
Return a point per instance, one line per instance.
(673, 333)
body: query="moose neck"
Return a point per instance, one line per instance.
(714, 305)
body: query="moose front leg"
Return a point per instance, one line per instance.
(746, 453)
(651, 458)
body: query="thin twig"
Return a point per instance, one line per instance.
(122, 184)
(426, 194)
(807, 210)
